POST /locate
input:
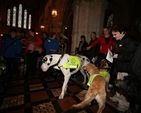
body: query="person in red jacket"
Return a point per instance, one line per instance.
(106, 42)
(32, 42)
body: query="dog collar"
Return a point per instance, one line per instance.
(91, 79)
(60, 58)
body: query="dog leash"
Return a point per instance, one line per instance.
(60, 58)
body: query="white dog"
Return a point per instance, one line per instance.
(65, 63)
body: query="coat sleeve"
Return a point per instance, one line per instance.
(38, 42)
(129, 53)
(46, 46)
(113, 45)
(135, 65)
(96, 42)
(19, 47)
(26, 43)
(56, 45)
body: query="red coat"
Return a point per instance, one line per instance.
(103, 45)
(38, 42)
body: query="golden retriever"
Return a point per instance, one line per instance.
(95, 91)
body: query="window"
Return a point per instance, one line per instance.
(20, 17)
(29, 22)
(110, 21)
(8, 17)
(25, 19)
(14, 17)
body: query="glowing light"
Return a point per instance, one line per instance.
(54, 13)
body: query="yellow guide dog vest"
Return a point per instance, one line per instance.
(103, 74)
(73, 63)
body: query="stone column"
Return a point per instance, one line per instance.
(88, 17)
(75, 28)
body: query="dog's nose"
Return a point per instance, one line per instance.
(48, 64)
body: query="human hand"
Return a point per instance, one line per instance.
(87, 48)
(52, 50)
(115, 56)
(96, 57)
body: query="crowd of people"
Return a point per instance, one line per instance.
(126, 51)
(118, 40)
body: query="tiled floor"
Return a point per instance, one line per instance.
(39, 94)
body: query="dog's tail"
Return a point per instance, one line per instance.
(85, 102)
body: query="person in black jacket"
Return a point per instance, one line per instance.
(124, 51)
(82, 46)
(94, 51)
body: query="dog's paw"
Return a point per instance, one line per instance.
(114, 99)
(73, 107)
(61, 97)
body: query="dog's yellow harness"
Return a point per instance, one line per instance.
(103, 74)
(73, 63)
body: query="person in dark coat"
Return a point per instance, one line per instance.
(135, 64)
(124, 51)
(94, 51)
(82, 46)
(135, 71)
(11, 50)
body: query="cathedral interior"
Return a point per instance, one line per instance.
(73, 18)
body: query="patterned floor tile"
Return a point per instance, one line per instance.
(44, 108)
(12, 101)
(81, 95)
(34, 87)
(39, 94)
(56, 92)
